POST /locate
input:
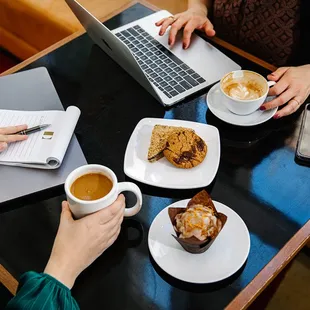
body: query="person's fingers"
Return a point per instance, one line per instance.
(113, 238)
(290, 108)
(160, 22)
(107, 214)
(107, 239)
(276, 75)
(13, 138)
(112, 227)
(109, 227)
(166, 23)
(110, 241)
(12, 129)
(118, 220)
(278, 88)
(66, 212)
(175, 27)
(3, 146)
(187, 33)
(278, 101)
(121, 198)
(208, 28)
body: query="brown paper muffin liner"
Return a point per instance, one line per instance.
(194, 245)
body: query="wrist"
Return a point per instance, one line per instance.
(61, 272)
(198, 8)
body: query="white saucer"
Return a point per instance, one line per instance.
(162, 173)
(214, 102)
(225, 256)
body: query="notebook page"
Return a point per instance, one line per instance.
(35, 149)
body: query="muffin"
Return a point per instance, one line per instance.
(197, 225)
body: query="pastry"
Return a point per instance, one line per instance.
(160, 134)
(185, 149)
(197, 225)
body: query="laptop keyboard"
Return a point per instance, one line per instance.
(165, 70)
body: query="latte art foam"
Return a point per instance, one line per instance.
(243, 91)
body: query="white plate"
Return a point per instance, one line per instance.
(162, 173)
(216, 106)
(225, 256)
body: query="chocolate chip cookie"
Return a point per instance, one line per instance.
(160, 135)
(185, 149)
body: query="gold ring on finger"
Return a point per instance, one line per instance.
(298, 103)
(173, 18)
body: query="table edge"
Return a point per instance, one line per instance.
(245, 298)
(8, 280)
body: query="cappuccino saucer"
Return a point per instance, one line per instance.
(215, 104)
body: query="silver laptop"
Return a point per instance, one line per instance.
(169, 74)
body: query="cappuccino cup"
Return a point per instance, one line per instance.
(81, 208)
(244, 91)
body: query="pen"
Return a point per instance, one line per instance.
(32, 129)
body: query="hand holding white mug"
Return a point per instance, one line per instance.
(79, 243)
(293, 88)
(80, 208)
(7, 135)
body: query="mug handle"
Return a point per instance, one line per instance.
(271, 83)
(131, 187)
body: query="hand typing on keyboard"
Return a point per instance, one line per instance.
(194, 18)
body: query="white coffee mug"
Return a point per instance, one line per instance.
(244, 106)
(80, 208)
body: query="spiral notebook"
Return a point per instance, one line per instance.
(44, 149)
(31, 97)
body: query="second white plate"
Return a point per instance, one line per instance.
(162, 173)
(226, 255)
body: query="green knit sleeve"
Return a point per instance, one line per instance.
(41, 291)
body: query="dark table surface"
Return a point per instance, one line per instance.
(257, 177)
